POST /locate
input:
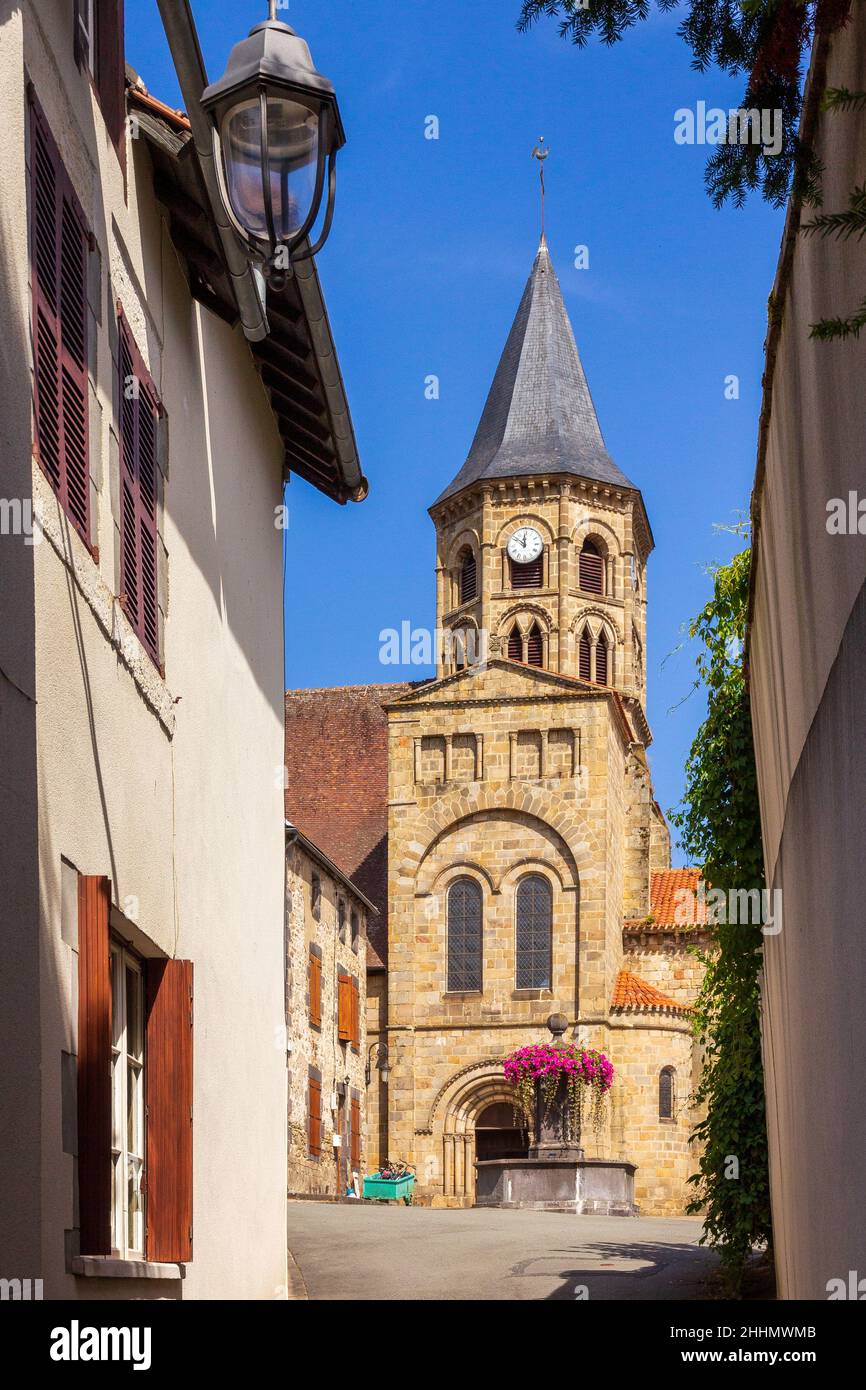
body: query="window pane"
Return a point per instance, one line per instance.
(133, 1013)
(533, 933)
(464, 935)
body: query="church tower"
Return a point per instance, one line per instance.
(525, 848)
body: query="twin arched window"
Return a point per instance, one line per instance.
(534, 645)
(533, 937)
(584, 658)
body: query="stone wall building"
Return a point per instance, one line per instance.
(807, 666)
(326, 997)
(528, 863)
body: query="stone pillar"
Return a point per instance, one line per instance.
(448, 1165)
(468, 1164)
(459, 1165)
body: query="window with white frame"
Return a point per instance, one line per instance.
(127, 1102)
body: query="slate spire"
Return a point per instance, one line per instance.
(539, 416)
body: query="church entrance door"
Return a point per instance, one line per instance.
(497, 1136)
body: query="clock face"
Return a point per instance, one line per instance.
(525, 545)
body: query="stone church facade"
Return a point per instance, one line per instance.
(525, 865)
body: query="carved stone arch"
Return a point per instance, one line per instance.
(600, 619)
(458, 868)
(514, 523)
(453, 1115)
(567, 820)
(531, 864)
(467, 538)
(594, 529)
(524, 613)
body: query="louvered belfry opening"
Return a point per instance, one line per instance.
(59, 249)
(584, 657)
(534, 920)
(591, 569)
(468, 577)
(464, 935)
(515, 645)
(530, 576)
(139, 426)
(601, 661)
(535, 646)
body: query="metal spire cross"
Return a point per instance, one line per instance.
(541, 154)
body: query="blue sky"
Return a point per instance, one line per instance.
(431, 246)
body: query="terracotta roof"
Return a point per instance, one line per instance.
(674, 903)
(631, 992)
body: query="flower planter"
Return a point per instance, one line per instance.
(390, 1189)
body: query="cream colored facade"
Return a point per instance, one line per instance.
(507, 769)
(326, 918)
(167, 784)
(806, 659)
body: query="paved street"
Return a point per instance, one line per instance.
(390, 1252)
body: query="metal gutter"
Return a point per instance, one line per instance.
(180, 30)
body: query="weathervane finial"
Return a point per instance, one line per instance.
(540, 153)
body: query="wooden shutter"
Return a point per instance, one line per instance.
(168, 1098)
(515, 645)
(344, 1008)
(535, 648)
(139, 425)
(356, 1013)
(355, 1120)
(468, 578)
(59, 248)
(529, 576)
(94, 1065)
(314, 1104)
(111, 72)
(601, 662)
(315, 989)
(591, 569)
(584, 657)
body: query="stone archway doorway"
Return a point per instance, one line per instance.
(497, 1135)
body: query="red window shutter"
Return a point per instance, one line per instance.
(529, 576)
(468, 578)
(94, 1065)
(584, 657)
(168, 1096)
(601, 662)
(139, 424)
(535, 648)
(356, 1132)
(59, 247)
(315, 990)
(111, 72)
(315, 1109)
(515, 645)
(591, 569)
(344, 1008)
(356, 1014)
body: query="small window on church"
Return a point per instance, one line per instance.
(584, 657)
(535, 646)
(468, 577)
(533, 937)
(529, 576)
(464, 935)
(515, 645)
(601, 660)
(591, 569)
(666, 1093)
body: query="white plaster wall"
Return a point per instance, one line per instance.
(172, 788)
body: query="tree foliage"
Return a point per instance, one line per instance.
(720, 830)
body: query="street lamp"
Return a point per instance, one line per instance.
(381, 1063)
(276, 125)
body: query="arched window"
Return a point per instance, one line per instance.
(601, 660)
(533, 936)
(584, 657)
(591, 568)
(464, 935)
(458, 648)
(468, 577)
(535, 646)
(666, 1093)
(530, 576)
(515, 645)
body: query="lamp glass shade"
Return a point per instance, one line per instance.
(291, 158)
(384, 1072)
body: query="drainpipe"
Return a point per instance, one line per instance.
(180, 30)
